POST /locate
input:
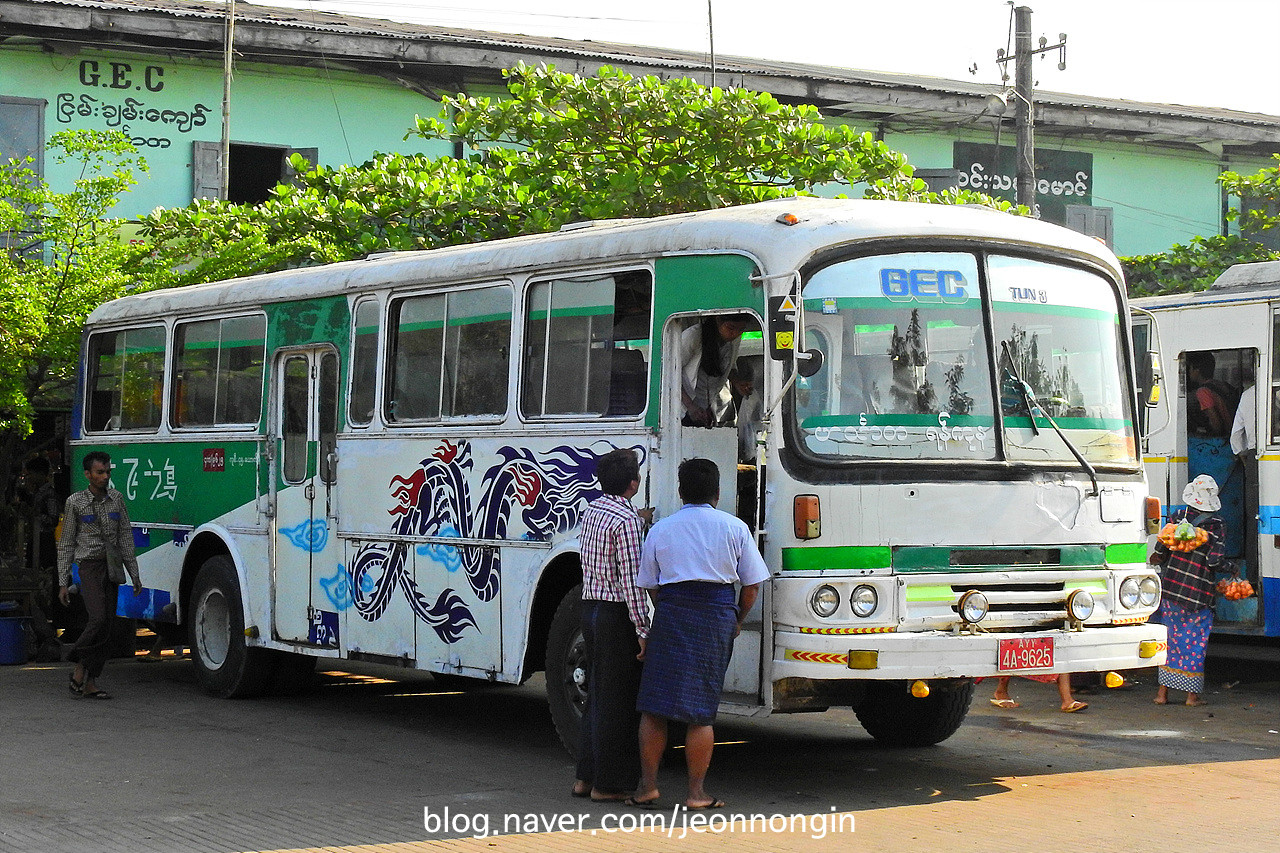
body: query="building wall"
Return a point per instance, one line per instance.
(166, 105)
(1156, 196)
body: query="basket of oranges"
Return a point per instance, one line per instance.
(1182, 536)
(1235, 588)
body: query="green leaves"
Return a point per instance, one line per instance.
(1190, 267)
(558, 148)
(63, 258)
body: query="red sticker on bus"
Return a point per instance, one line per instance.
(215, 459)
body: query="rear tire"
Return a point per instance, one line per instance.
(891, 715)
(225, 665)
(566, 670)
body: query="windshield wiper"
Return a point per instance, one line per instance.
(1034, 408)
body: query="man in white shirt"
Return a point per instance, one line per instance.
(690, 564)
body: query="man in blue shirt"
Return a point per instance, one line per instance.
(690, 564)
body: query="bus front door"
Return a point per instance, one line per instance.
(305, 552)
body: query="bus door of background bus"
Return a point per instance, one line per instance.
(1224, 374)
(304, 548)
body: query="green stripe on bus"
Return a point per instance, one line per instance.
(582, 311)
(1003, 307)
(1024, 422)
(895, 420)
(838, 557)
(938, 592)
(1128, 552)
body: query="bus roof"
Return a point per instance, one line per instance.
(1239, 283)
(749, 229)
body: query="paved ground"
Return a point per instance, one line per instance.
(362, 762)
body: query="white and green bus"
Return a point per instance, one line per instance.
(386, 460)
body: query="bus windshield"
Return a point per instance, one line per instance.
(908, 373)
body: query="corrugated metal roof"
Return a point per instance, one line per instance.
(658, 58)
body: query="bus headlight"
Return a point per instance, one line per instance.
(1079, 605)
(1149, 591)
(1129, 594)
(824, 600)
(973, 607)
(864, 600)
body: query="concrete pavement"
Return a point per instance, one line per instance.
(365, 761)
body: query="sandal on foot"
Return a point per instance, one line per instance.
(1075, 706)
(714, 804)
(642, 804)
(76, 687)
(1006, 704)
(97, 694)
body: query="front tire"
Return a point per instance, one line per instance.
(225, 665)
(891, 715)
(566, 670)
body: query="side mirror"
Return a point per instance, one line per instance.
(809, 362)
(1156, 374)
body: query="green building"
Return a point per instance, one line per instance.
(338, 88)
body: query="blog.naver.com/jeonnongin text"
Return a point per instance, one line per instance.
(677, 822)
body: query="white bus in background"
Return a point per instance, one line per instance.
(386, 459)
(1232, 326)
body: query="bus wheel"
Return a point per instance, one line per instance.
(566, 670)
(891, 715)
(225, 666)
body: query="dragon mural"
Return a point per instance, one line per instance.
(545, 493)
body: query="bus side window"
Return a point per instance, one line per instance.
(126, 375)
(364, 363)
(587, 345)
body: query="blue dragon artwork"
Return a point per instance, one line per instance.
(549, 491)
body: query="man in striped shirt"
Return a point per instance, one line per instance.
(95, 523)
(615, 623)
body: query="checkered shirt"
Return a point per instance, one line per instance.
(611, 537)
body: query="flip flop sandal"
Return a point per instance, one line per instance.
(97, 694)
(642, 804)
(1075, 706)
(76, 687)
(714, 804)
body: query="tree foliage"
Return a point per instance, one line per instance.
(1193, 266)
(558, 148)
(1262, 190)
(62, 258)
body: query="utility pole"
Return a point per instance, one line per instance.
(224, 178)
(1024, 94)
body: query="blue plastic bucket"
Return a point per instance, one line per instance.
(13, 641)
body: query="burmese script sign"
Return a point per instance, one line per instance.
(1062, 177)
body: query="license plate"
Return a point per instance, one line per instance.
(1025, 653)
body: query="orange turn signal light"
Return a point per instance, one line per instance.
(808, 517)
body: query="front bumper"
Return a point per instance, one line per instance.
(942, 654)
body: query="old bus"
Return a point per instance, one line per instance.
(386, 459)
(1223, 339)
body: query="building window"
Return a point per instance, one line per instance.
(22, 130)
(1092, 221)
(255, 170)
